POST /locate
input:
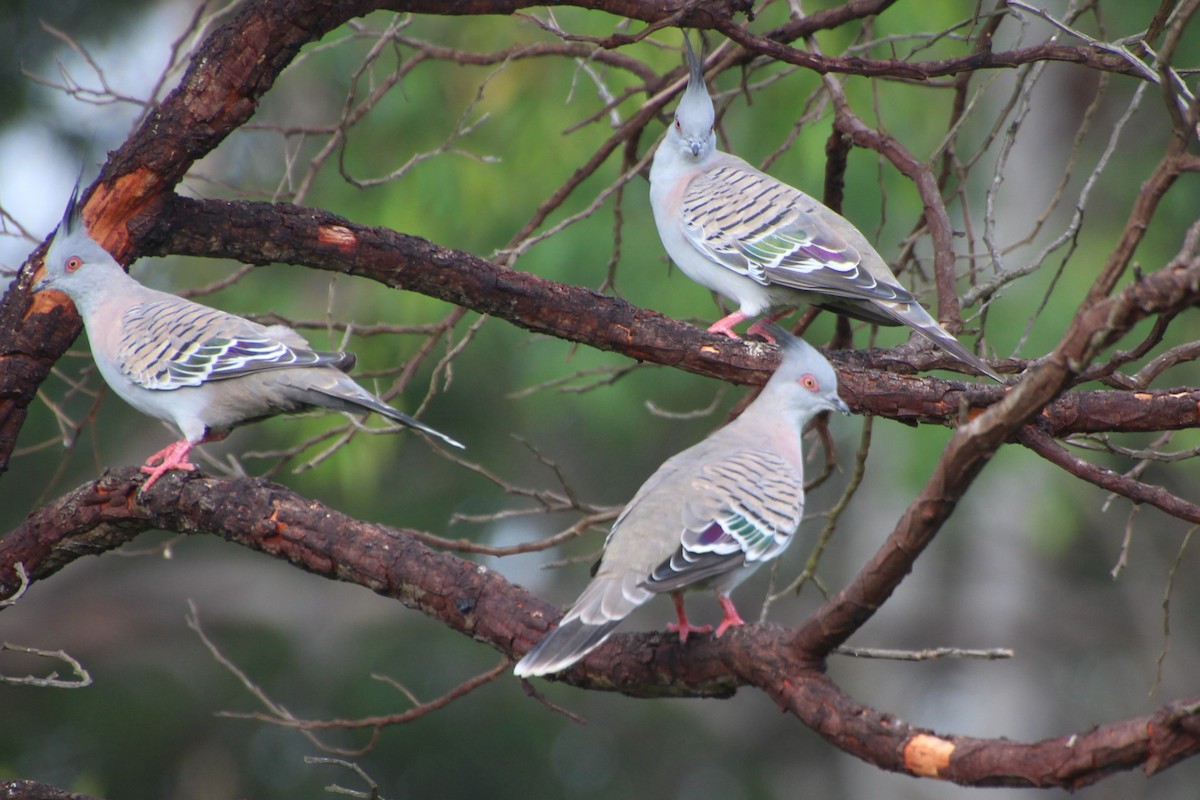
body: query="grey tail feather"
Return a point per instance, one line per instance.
(368, 402)
(861, 310)
(955, 348)
(934, 333)
(563, 646)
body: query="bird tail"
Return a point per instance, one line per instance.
(607, 600)
(346, 395)
(941, 338)
(917, 318)
(560, 648)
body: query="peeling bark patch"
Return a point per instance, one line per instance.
(46, 301)
(927, 756)
(112, 205)
(338, 236)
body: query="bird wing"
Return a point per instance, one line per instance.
(171, 343)
(744, 509)
(749, 505)
(759, 227)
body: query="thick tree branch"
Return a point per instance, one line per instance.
(1094, 327)
(259, 233)
(263, 516)
(1072, 761)
(480, 603)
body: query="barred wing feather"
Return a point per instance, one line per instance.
(759, 227)
(753, 503)
(171, 343)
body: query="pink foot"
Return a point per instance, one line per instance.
(759, 328)
(725, 325)
(173, 456)
(683, 627)
(732, 618)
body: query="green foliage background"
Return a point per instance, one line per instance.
(1024, 562)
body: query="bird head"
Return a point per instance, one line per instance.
(805, 380)
(695, 116)
(75, 263)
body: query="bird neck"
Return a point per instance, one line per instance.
(775, 424)
(117, 287)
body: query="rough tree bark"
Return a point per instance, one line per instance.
(132, 209)
(478, 602)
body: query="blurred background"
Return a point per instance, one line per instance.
(1025, 562)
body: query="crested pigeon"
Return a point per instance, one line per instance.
(707, 518)
(764, 244)
(204, 370)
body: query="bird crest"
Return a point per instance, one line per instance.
(695, 115)
(72, 221)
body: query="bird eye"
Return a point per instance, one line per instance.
(678, 127)
(74, 263)
(809, 382)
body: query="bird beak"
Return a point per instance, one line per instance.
(41, 283)
(838, 404)
(695, 147)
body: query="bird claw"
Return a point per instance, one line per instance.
(759, 329)
(732, 618)
(172, 457)
(725, 325)
(686, 629)
(683, 627)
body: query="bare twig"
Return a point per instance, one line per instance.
(1166, 610)
(51, 681)
(372, 792)
(930, 654)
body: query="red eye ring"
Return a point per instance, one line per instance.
(74, 263)
(809, 382)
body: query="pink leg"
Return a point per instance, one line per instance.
(732, 617)
(725, 325)
(173, 456)
(683, 627)
(759, 328)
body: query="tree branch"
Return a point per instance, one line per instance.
(259, 233)
(937, 219)
(480, 603)
(230, 72)
(973, 444)
(922, 70)
(1127, 487)
(240, 61)
(132, 210)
